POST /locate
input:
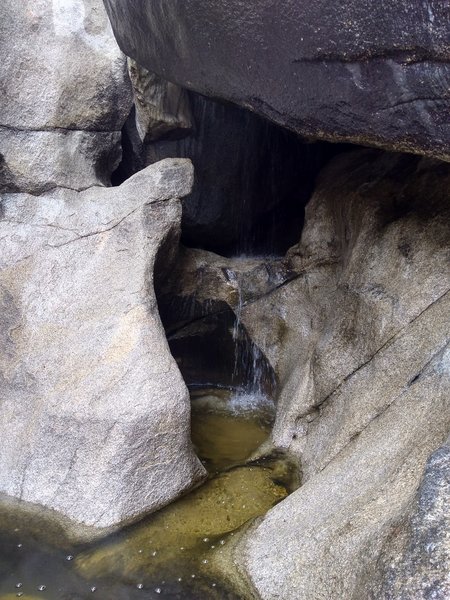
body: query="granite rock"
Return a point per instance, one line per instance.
(359, 341)
(95, 417)
(65, 95)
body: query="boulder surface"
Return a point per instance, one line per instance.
(360, 343)
(65, 95)
(95, 415)
(373, 73)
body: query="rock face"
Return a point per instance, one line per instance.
(94, 412)
(200, 303)
(416, 561)
(370, 73)
(65, 95)
(359, 342)
(162, 108)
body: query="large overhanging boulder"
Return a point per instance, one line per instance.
(365, 72)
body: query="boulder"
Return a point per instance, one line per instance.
(365, 72)
(95, 417)
(415, 562)
(360, 345)
(28, 160)
(162, 108)
(65, 95)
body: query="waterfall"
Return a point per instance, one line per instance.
(250, 366)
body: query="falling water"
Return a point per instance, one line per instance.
(249, 364)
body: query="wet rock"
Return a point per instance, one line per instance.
(200, 305)
(95, 415)
(66, 95)
(360, 346)
(369, 73)
(203, 283)
(162, 107)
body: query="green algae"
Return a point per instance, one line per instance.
(23, 596)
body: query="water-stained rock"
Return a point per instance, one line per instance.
(94, 412)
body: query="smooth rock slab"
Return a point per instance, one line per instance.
(94, 413)
(360, 343)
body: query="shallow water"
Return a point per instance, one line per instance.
(227, 427)
(168, 553)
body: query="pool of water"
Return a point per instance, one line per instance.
(167, 554)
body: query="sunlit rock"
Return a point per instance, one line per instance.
(65, 95)
(95, 416)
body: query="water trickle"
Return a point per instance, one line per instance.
(248, 359)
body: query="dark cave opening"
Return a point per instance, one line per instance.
(252, 178)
